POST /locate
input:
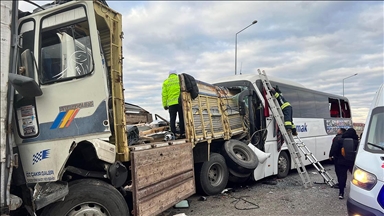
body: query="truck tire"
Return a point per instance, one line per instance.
(283, 165)
(235, 177)
(239, 157)
(89, 197)
(212, 175)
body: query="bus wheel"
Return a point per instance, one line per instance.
(283, 165)
(239, 157)
(212, 175)
(89, 197)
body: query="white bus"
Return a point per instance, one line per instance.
(317, 116)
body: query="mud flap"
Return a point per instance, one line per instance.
(162, 176)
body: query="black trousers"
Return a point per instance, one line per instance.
(175, 110)
(342, 177)
(288, 112)
(336, 168)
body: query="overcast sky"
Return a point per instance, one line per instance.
(317, 44)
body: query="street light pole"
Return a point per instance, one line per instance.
(347, 78)
(254, 22)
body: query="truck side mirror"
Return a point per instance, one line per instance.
(27, 63)
(26, 86)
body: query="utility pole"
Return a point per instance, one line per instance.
(254, 22)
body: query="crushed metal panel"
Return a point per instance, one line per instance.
(162, 177)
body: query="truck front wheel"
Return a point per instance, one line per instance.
(89, 197)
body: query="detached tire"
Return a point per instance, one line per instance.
(212, 175)
(89, 197)
(283, 165)
(239, 157)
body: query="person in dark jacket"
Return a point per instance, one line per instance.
(343, 164)
(333, 155)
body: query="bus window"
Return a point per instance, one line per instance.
(307, 105)
(334, 108)
(292, 96)
(345, 111)
(322, 109)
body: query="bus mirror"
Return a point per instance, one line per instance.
(26, 86)
(27, 63)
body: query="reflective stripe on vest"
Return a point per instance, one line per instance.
(285, 105)
(276, 95)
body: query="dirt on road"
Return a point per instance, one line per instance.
(272, 196)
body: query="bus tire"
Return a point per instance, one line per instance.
(283, 164)
(89, 195)
(235, 177)
(212, 175)
(239, 157)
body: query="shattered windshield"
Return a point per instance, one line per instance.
(375, 138)
(65, 53)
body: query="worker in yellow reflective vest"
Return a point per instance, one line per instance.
(287, 111)
(172, 103)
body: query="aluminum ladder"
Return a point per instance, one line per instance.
(294, 146)
(308, 154)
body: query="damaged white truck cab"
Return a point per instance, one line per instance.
(69, 123)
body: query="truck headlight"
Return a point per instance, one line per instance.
(363, 179)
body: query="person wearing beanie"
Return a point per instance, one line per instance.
(171, 101)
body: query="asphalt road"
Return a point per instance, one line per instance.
(286, 197)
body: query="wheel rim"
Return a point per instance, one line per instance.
(88, 209)
(241, 154)
(215, 174)
(283, 164)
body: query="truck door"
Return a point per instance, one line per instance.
(71, 78)
(71, 75)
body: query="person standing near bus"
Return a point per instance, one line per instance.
(287, 111)
(171, 101)
(344, 163)
(333, 153)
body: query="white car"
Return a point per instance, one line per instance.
(366, 196)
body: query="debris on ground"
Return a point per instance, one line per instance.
(203, 198)
(182, 204)
(226, 190)
(180, 214)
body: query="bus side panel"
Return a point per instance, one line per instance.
(269, 167)
(312, 132)
(162, 177)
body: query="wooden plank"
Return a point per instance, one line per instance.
(152, 173)
(166, 199)
(165, 177)
(151, 190)
(157, 155)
